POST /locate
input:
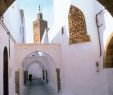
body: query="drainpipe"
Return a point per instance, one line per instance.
(98, 26)
(6, 29)
(8, 33)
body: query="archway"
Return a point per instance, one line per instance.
(34, 68)
(108, 63)
(108, 54)
(47, 64)
(5, 72)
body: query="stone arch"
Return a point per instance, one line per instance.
(108, 53)
(32, 54)
(77, 26)
(36, 62)
(5, 72)
(36, 69)
(54, 53)
(52, 50)
(49, 69)
(26, 67)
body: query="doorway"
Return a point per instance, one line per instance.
(5, 72)
(58, 79)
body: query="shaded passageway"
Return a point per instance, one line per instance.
(39, 75)
(37, 87)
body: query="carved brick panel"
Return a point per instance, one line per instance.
(77, 26)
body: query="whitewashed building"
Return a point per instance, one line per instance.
(12, 29)
(84, 30)
(76, 61)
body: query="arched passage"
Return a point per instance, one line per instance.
(108, 54)
(47, 64)
(108, 63)
(35, 65)
(49, 55)
(5, 72)
(36, 71)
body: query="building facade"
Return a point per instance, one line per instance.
(85, 34)
(12, 31)
(78, 60)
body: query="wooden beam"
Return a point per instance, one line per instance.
(108, 4)
(4, 5)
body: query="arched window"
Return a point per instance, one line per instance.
(77, 26)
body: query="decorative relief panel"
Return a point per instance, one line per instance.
(77, 26)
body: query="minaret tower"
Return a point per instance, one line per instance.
(39, 26)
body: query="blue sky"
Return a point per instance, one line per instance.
(30, 8)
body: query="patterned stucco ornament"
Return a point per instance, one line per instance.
(77, 26)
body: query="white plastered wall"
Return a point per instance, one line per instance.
(78, 70)
(4, 40)
(13, 21)
(106, 30)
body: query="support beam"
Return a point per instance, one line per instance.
(108, 4)
(4, 5)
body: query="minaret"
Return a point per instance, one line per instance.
(39, 26)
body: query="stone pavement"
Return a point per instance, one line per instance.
(37, 87)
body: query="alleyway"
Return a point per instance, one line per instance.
(37, 87)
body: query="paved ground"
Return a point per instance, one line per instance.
(37, 87)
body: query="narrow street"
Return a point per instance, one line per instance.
(37, 87)
(56, 47)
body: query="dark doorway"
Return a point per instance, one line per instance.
(17, 86)
(25, 77)
(46, 76)
(5, 72)
(58, 79)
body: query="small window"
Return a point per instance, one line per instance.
(62, 30)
